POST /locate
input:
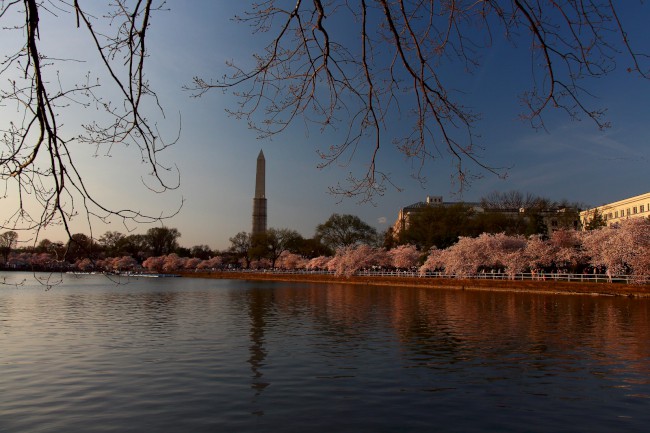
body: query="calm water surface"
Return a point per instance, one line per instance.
(184, 355)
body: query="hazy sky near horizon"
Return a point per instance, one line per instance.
(216, 154)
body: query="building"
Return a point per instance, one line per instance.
(612, 213)
(259, 201)
(552, 219)
(404, 215)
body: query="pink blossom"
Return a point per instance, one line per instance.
(192, 263)
(320, 262)
(288, 260)
(348, 260)
(125, 263)
(154, 263)
(173, 263)
(404, 256)
(211, 263)
(434, 261)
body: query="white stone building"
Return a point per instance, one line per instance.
(612, 213)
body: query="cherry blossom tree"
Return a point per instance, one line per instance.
(84, 265)
(125, 263)
(466, 256)
(434, 262)
(318, 263)
(20, 260)
(172, 262)
(154, 263)
(43, 260)
(539, 253)
(636, 233)
(621, 249)
(192, 263)
(348, 260)
(507, 251)
(567, 249)
(404, 256)
(211, 263)
(288, 260)
(262, 263)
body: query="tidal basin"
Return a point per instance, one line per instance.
(201, 355)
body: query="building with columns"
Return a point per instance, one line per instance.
(259, 201)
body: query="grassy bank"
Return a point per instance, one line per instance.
(557, 287)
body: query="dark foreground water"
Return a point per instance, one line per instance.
(183, 355)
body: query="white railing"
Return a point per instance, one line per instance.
(529, 276)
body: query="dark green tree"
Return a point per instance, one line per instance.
(597, 221)
(81, 246)
(112, 242)
(439, 226)
(162, 240)
(202, 252)
(8, 241)
(56, 249)
(274, 242)
(497, 222)
(136, 246)
(387, 238)
(313, 247)
(240, 246)
(345, 230)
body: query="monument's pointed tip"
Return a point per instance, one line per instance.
(261, 154)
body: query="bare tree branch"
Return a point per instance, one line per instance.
(36, 158)
(391, 61)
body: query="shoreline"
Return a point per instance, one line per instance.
(528, 286)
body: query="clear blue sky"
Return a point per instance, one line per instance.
(216, 154)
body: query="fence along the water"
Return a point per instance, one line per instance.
(530, 276)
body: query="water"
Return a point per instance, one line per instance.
(185, 355)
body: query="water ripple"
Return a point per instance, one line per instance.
(205, 355)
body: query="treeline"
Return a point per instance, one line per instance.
(116, 251)
(617, 250)
(343, 243)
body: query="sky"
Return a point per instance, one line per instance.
(216, 154)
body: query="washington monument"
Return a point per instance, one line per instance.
(259, 201)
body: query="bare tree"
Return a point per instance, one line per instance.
(361, 65)
(37, 161)
(515, 200)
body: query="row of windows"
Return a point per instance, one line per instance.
(628, 212)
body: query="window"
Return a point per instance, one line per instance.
(616, 214)
(628, 211)
(634, 210)
(642, 208)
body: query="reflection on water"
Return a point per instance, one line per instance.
(207, 355)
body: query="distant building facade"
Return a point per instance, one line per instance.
(259, 201)
(553, 219)
(404, 215)
(612, 213)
